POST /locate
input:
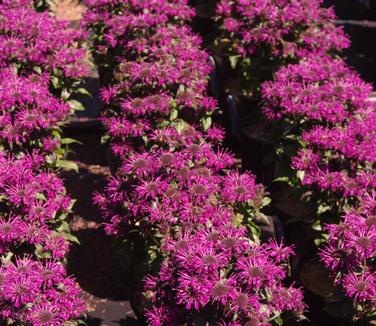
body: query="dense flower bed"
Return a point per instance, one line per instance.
(34, 287)
(350, 253)
(216, 275)
(158, 72)
(29, 114)
(260, 36)
(326, 105)
(174, 182)
(41, 61)
(324, 121)
(35, 42)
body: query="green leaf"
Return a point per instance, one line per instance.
(40, 196)
(266, 201)
(84, 91)
(67, 165)
(261, 219)
(317, 226)
(70, 237)
(70, 141)
(105, 139)
(173, 114)
(207, 122)
(322, 209)
(234, 60)
(300, 175)
(37, 69)
(76, 105)
(285, 180)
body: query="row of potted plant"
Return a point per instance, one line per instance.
(176, 199)
(322, 119)
(41, 62)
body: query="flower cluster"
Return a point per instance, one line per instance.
(327, 104)
(29, 114)
(317, 91)
(35, 42)
(120, 25)
(159, 71)
(38, 293)
(174, 181)
(350, 254)
(40, 61)
(263, 34)
(34, 237)
(321, 110)
(181, 181)
(218, 270)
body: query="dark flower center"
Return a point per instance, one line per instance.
(171, 192)
(155, 99)
(340, 253)
(240, 190)
(229, 242)
(183, 171)
(209, 259)
(21, 289)
(181, 244)
(140, 164)
(152, 186)
(363, 242)
(241, 300)
(220, 289)
(256, 271)
(16, 95)
(213, 236)
(137, 103)
(31, 118)
(38, 210)
(6, 228)
(341, 227)
(45, 316)
(21, 269)
(205, 172)
(285, 294)
(338, 89)
(199, 189)
(167, 159)
(253, 321)
(194, 148)
(371, 220)
(360, 286)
